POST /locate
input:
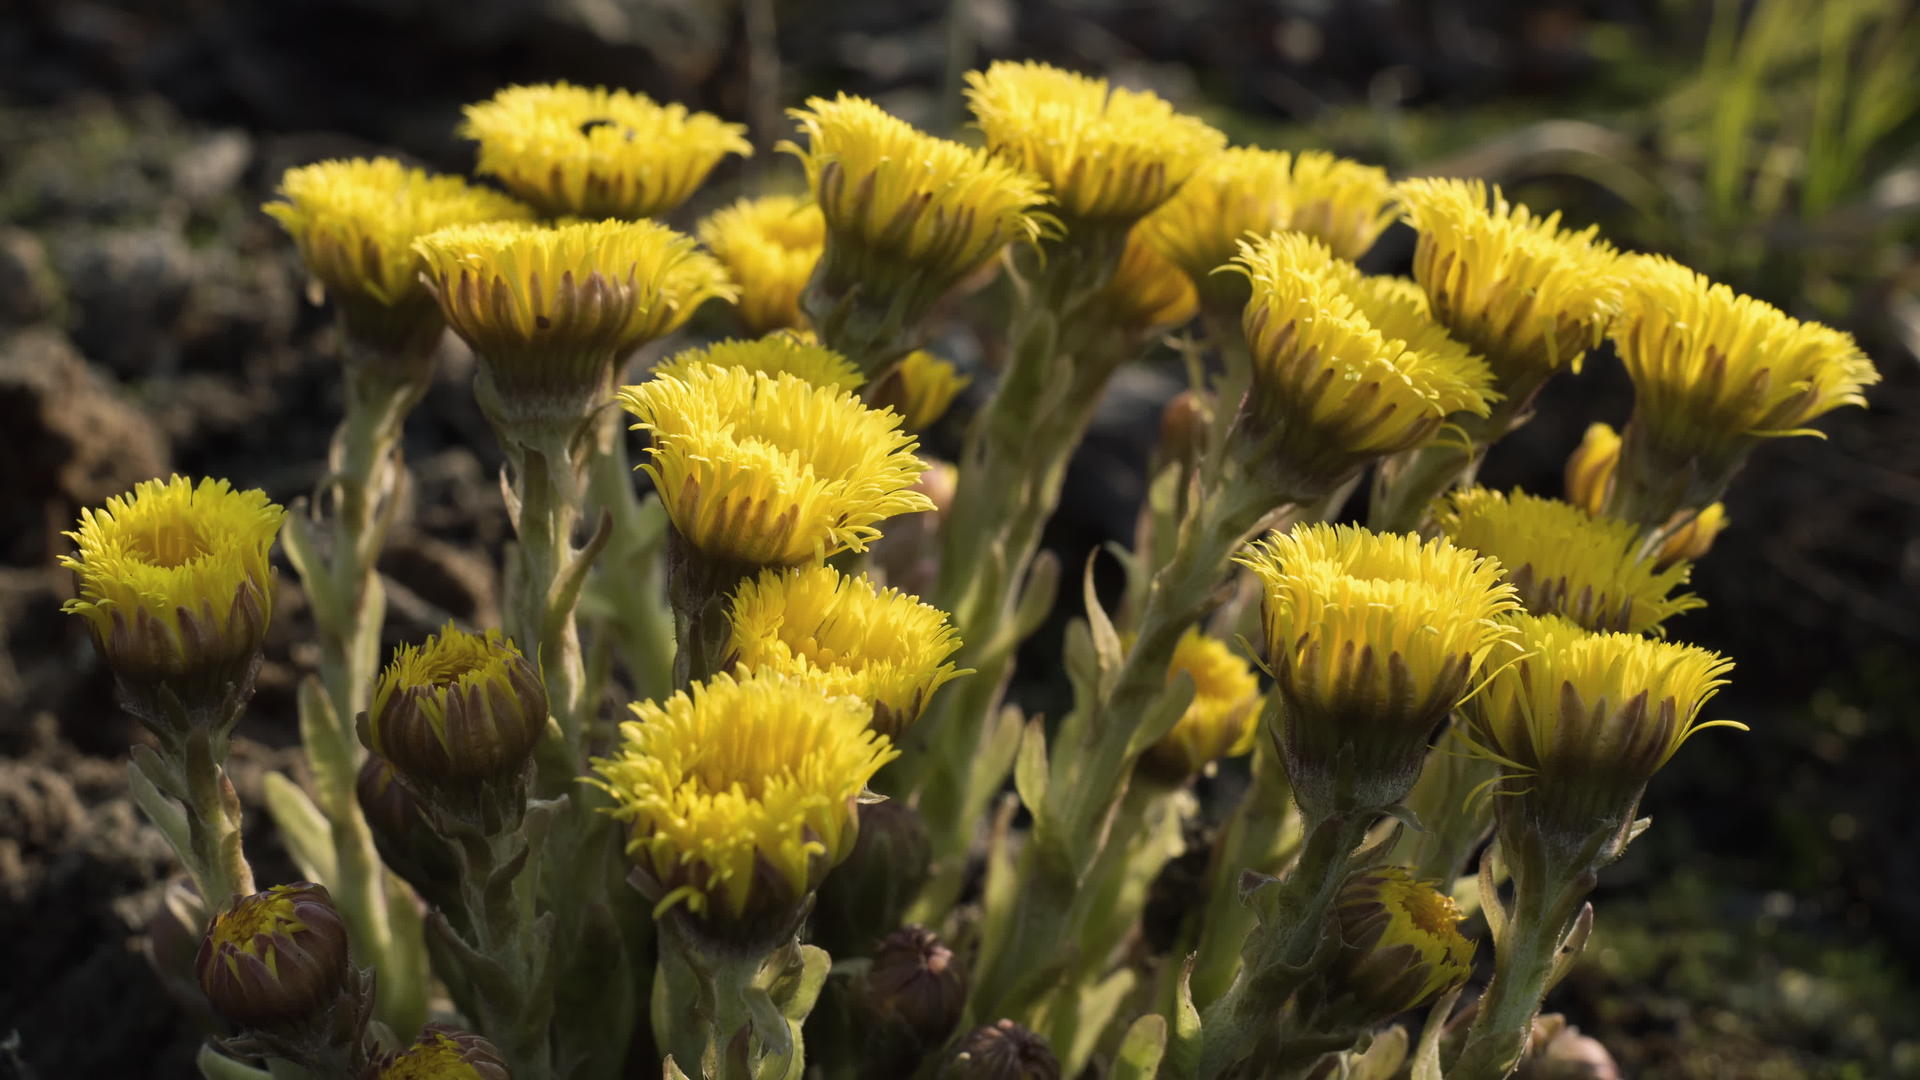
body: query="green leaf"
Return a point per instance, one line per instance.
(670, 1070)
(798, 987)
(1030, 767)
(769, 1025)
(1037, 596)
(1106, 641)
(1141, 1050)
(146, 774)
(1426, 1058)
(306, 831)
(1383, 1056)
(1183, 1049)
(1097, 1006)
(215, 1065)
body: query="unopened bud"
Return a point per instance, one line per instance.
(1403, 948)
(275, 958)
(1003, 1051)
(1183, 427)
(871, 890)
(1557, 1051)
(442, 1052)
(917, 982)
(401, 833)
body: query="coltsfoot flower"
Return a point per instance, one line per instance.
(597, 153)
(550, 310)
(457, 713)
(917, 983)
(846, 635)
(275, 959)
(1589, 482)
(442, 1052)
(1713, 373)
(1106, 154)
(770, 246)
(774, 354)
(1146, 294)
(1520, 290)
(1403, 947)
(1221, 721)
(771, 470)
(1565, 561)
(908, 216)
(1340, 202)
(921, 387)
(739, 796)
(1582, 721)
(355, 222)
(1346, 367)
(1372, 638)
(1002, 1050)
(174, 585)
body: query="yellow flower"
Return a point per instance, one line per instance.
(1238, 194)
(1565, 561)
(1403, 946)
(770, 469)
(1346, 367)
(442, 1052)
(846, 636)
(1340, 202)
(1106, 153)
(355, 222)
(739, 796)
(460, 708)
(1583, 721)
(773, 354)
(550, 310)
(921, 387)
(1526, 294)
(276, 958)
(1589, 482)
(907, 217)
(1221, 721)
(1713, 371)
(1373, 638)
(594, 152)
(1146, 294)
(769, 245)
(174, 583)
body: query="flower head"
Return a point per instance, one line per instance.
(275, 958)
(777, 353)
(1347, 367)
(594, 152)
(846, 636)
(1238, 194)
(443, 1052)
(739, 796)
(1373, 638)
(772, 470)
(770, 246)
(355, 222)
(1589, 482)
(1106, 153)
(1582, 721)
(1340, 202)
(1403, 946)
(921, 387)
(1222, 718)
(460, 708)
(1525, 293)
(1714, 371)
(916, 982)
(1565, 561)
(549, 310)
(174, 583)
(908, 216)
(1146, 294)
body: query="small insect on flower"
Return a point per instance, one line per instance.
(1581, 721)
(1107, 154)
(769, 245)
(1222, 719)
(458, 708)
(780, 352)
(442, 1052)
(771, 470)
(1565, 561)
(1520, 290)
(598, 153)
(1372, 638)
(739, 796)
(921, 387)
(355, 222)
(174, 584)
(846, 635)
(276, 958)
(1403, 947)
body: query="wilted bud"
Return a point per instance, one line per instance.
(442, 1052)
(1402, 946)
(457, 715)
(1003, 1051)
(276, 958)
(871, 890)
(916, 982)
(1557, 1051)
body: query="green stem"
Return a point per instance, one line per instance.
(220, 869)
(514, 1012)
(1263, 833)
(628, 581)
(1546, 902)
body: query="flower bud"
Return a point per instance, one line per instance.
(442, 1052)
(276, 958)
(871, 890)
(458, 712)
(1402, 948)
(920, 388)
(1003, 1051)
(1219, 722)
(916, 982)
(400, 832)
(1183, 428)
(1557, 1051)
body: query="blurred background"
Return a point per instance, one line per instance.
(152, 319)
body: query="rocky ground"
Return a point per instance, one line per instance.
(151, 319)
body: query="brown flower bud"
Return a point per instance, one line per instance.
(460, 708)
(1557, 1051)
(1003, 1051)
(916, 982)
(275, 958)
(442, 1052)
